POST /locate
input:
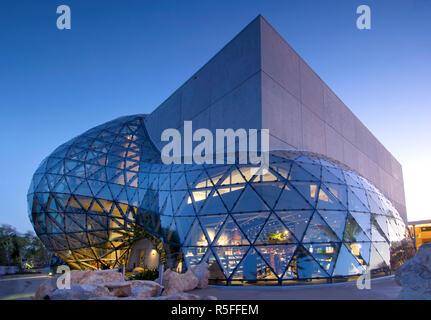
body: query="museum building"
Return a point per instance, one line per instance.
(330, 206)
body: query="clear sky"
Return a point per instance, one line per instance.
(126, 57)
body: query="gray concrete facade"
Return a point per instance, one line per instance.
(258, 81)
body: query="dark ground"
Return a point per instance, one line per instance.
(23, 287)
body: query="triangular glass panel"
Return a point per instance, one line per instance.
(196, 236)
(361, 250)
(352, 179)
(300, 173)
(213, 205)
(282, 168)
(305, 159)
(290, 199)
(335, 172)
(193, 256)
(364, 221)
(325, 254)
(329, 177)
(211, 225)
(329, 197)
(327, 163)
(177, 199)
(200, 198)
(95, 206)
(347, 264)
(214, 267)
(295, 221)
(57, 168)
(193, 177)
(249, 202)
(230, 195)
(303, 266)
(357, 199)
(234, 177)
(187, 207)
(269, 191)
(375, 203)
(52, 180)
(230, 234)
(62, 186)
(230, 257)
(181, 183)
(353, 231)
(382, 223)
(274, 232)
(265, 176)
(83, 190)
(43, 185)
(96, 186)
(377, 233)
(167, 208)
(339, 191)
(253, 267)
(383, 248)
(336, 220)
(277, 256)
(376, 260)
(183, 226)
(319, 231)
(251, 223)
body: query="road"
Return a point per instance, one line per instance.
(20, 287)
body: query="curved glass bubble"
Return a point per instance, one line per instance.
(307, 217)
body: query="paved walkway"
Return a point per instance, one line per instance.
(20, 287)
(381, 289)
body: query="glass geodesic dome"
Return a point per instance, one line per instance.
(308, 217)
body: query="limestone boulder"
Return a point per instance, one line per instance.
(119, 289)
(144, 288)
(415, 275)
(174, 282)
(78, 277)
(45, 288)
(134, 288)
(201, 271)
(80, 292)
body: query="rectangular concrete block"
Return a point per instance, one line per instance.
(281, 112)
(279, 60)
(313, 132)
(311, 89)
(350, 155)
(241, 108)
(159, 120)
(396, 169)
(349, 125)
(334, 144)
(276, 143)
(333, 110)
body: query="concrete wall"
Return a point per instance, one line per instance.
(258, 81)
(214, 97)
(302, 112)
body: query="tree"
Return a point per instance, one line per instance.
(16, 248)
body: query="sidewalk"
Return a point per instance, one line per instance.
(381, 289)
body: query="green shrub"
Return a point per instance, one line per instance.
(148, 274)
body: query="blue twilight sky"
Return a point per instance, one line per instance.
(126, 57)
